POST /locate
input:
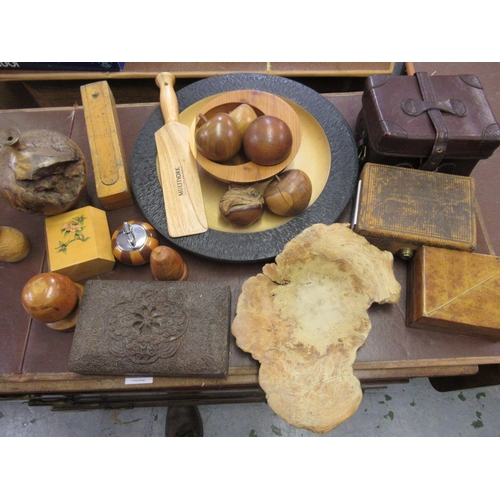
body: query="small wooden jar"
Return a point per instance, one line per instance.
(133, 242)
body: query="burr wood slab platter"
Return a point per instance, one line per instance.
(304, 318)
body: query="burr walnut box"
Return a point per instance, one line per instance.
(436, 123)
(400, 209)
(454, 292)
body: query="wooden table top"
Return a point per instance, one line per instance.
(33, 358)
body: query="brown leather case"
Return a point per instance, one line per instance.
(438, 123)
(454, 292)
(399, 209)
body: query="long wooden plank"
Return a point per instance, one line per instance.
(204, 70)
(39, 383)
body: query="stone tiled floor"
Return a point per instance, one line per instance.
(413, 409)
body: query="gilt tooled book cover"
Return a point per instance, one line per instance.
(404, 208)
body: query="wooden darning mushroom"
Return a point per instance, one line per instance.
(54, 299)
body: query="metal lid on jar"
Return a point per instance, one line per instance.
(131, 237)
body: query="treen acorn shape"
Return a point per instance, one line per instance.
(167, 264)
(219, 138)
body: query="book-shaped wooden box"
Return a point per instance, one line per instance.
(400, 209)
(454, 292)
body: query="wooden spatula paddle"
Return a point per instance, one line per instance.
(178, 171)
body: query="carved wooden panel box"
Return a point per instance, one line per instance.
(401, 208)
(152, 328)
(456, 292)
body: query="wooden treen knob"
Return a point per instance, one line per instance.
(167, 265)
(53, 299)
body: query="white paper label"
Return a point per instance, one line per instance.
(138, 380)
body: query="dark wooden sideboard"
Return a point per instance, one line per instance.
(136, 82)
(33, 358)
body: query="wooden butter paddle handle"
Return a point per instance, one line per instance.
(178, 170)
(168, 99)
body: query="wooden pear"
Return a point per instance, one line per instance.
(219, 138)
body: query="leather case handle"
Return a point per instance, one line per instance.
(413, 107)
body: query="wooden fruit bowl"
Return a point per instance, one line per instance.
(239, 169)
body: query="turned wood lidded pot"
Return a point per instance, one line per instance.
(133, 242)
(42, 172)
(167, 265)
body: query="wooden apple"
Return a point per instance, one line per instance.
(288, 193)
(219, 138)
(268, 140)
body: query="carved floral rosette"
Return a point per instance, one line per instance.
(152, 328)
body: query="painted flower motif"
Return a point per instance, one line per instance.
(73, 227)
